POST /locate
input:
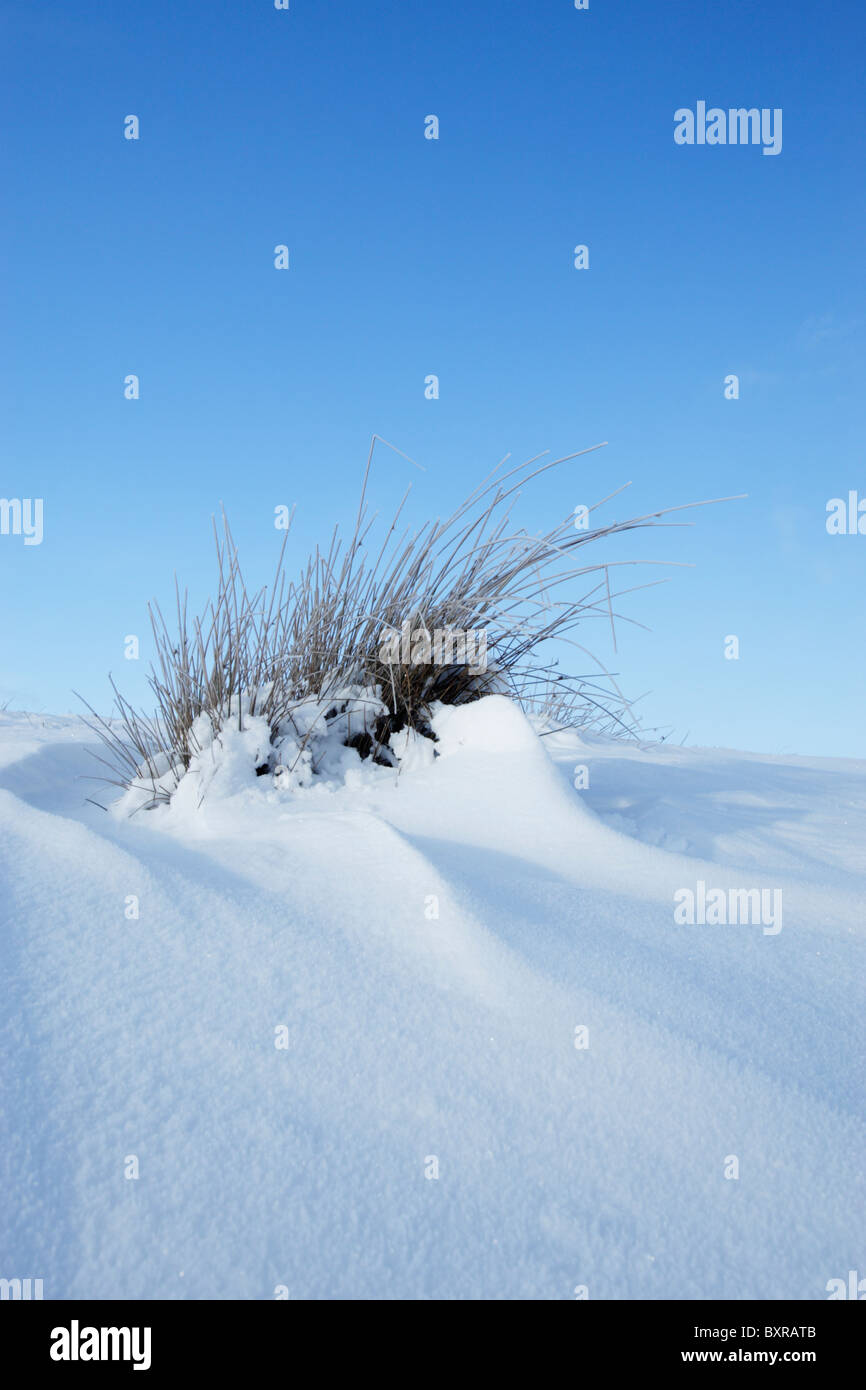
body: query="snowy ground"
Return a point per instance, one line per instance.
(417, 1042)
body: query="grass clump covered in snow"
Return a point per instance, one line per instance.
(365, 642)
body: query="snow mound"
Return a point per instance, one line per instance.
(311, 751)
(493, 724)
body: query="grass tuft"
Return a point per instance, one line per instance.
(333, 630)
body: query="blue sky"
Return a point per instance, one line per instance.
(455, 257)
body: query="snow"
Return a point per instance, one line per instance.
(426, 939)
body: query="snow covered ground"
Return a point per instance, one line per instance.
(342, 1040)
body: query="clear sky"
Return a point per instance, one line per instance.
(453, 257)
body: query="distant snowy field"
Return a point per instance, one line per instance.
(426, 946)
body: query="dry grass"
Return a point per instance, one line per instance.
(266, 653)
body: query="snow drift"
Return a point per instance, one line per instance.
(431, 1030)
